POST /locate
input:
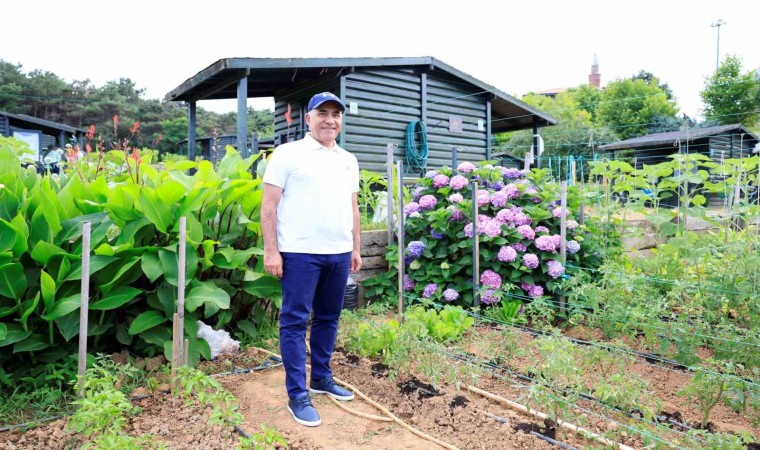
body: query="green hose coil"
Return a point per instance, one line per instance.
(416, 157)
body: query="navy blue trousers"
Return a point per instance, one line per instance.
(310, 283)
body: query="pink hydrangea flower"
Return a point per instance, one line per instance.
(491, 279)
(455, 198)
(511, 190)
(427, 202)
(546, 243)
(492, 228)
(507, 254)
(530, 260)
(440, 181)
(458, 182)
(466, 167)
(555, 269)
(483, 197)
(499, 199)
(527, 232)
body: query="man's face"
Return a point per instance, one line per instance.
(325, 122)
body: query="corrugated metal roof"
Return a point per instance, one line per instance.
(673, 136)
(267, 76)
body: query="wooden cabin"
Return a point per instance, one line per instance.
(383, 96)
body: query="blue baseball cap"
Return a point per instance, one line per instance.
(320, 98)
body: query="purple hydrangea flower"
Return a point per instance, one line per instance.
(557, 212)
(415, 248)
(440, 181)
(505, 215)
(408, 283)
(573, 247)
(411, 207)
(417, 192)
(530, 260)
(468, 230)
(450, 295)
(466, 167)
(532, 290)
(511, 191)
(499, 199)
(507, 254)
(499, 185)
(483, 197)
(491, 279)
(458, 182)
(521, 219)
(456, 214)
(430, 290)
(527, 232)
(541, 229)
(511, 173)
(427, 202)
(437, 235)
(489, 297)
(431, 174)
(555, 269)
(519, 246)
(545, 243)
(492, 228)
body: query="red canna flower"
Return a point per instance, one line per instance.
(115, 119)
(135, 128)
(136, 156)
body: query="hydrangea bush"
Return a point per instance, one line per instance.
(519, 232)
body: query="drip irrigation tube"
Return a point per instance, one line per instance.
(383, 409)
(530, 411)
(583, 395)
(554, 442)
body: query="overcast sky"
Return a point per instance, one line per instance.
(516, 47)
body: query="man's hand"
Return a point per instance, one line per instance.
(356, 261)
(273, 263)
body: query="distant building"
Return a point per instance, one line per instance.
(594, 79)
(39, 134)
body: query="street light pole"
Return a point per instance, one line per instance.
(717, 24)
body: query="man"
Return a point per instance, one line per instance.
(310, 224)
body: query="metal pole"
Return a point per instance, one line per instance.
(717, 24)
(389, 188)
(400, 238)
(475, 247)
(84, 306)
(563, 234)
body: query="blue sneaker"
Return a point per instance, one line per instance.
(329, 387)
(303, 412)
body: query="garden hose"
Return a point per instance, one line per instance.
(416, 157)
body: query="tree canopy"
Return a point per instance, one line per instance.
(113, 109)
(731, 96)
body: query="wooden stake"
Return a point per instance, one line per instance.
(84, 306)
(389, 188)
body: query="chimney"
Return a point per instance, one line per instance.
(594, 79)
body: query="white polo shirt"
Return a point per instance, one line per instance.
(315, 213)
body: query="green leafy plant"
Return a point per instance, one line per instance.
(557, 379)
(267, 439)
(628, 394)
(706, 390)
